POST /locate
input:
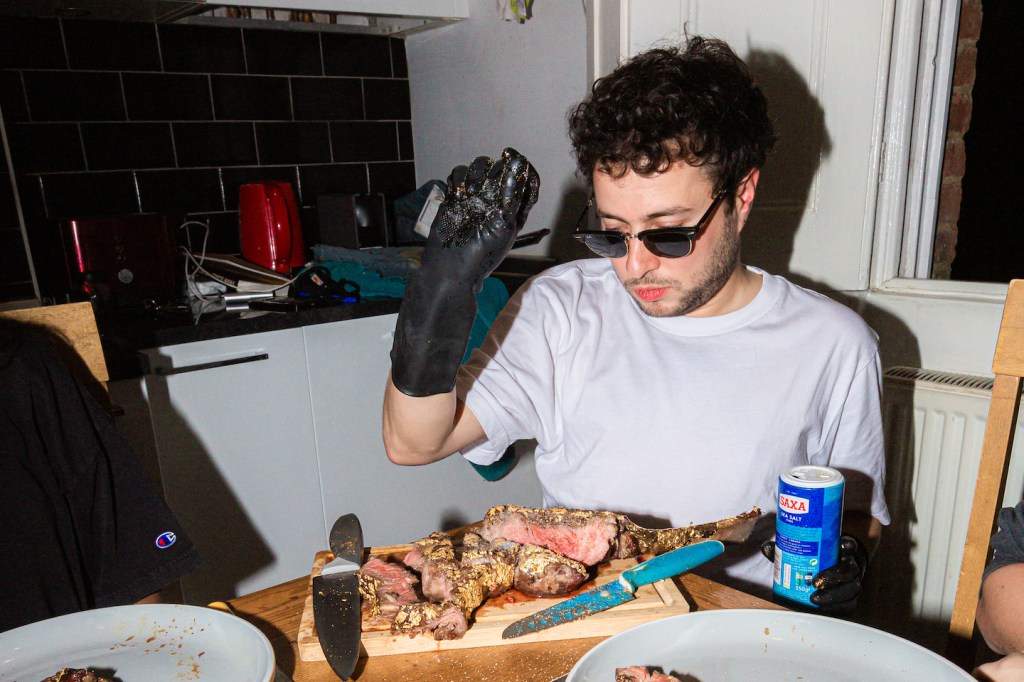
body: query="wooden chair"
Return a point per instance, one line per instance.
(74, 324)
(1008, 366)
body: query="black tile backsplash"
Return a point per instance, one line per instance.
(112, 146)
(251, 98)
(79, 195)
(178, 192)
(74, 96)
(387, 99)
(329, 99)
(44, 147)
(305, 142)
(111, 46)
(215, 144)
(283, 52)
(167, 97)
(110, 118)
(12, 97)
(201, 49)
(356, 141)
(356, 55)
(337, 178)
(31, 44)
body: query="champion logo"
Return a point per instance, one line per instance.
(165, 540)
(794, 505)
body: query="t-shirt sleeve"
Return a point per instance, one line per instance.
(1008, 542)
(858, 449)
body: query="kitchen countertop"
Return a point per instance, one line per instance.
(124, 334)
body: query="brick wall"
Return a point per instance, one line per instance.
(955, 160)
(110, 118)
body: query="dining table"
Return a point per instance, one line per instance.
(277, 610)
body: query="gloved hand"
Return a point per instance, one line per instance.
(485, 206)
(837, 587)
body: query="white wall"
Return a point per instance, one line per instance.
(483, 84)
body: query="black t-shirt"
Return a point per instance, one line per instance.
(81, 524)
(1008, 543)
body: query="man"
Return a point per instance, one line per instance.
(83, 527)
(666, 380)
(1001, 608)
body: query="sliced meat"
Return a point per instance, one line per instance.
(642, 674)
(75, 675)
(435, 547)
(443, 621)
(541, 572)
(384, 586)
(589, 537)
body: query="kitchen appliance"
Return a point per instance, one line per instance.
(336, 597)
(353, 221)
(619, 591)
(120, 261)
(269, 229)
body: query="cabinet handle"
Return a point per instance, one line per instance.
(168, 371)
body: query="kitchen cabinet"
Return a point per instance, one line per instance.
(395, 504)
(262, 440)
(234, 440)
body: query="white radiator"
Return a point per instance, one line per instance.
(934, 427)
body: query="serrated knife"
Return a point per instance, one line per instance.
(336, 597)
(618, 591)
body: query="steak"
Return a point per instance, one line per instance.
(384, 586)
(541, 572)
(443, 621)
(589, 537)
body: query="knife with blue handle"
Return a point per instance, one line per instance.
(618, 591)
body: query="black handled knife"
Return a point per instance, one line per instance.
(336, 597)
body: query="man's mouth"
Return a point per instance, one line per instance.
(651, 293)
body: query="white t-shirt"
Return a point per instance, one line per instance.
(679, 420)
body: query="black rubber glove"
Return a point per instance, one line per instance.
(485, 206)
(837, 587)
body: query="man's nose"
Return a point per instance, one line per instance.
(639, 260)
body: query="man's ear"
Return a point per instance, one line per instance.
(745, 196)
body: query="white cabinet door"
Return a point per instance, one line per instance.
(349, 363)
(823, 66)
(234, 437)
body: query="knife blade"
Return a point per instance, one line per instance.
(618, 591)
(336, 597)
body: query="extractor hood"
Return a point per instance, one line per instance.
(389, 17)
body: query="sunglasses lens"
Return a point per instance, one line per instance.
(609, 245)
(668, 245)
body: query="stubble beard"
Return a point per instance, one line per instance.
(717, 271)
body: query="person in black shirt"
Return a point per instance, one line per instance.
(82, 525)
(1001, 609)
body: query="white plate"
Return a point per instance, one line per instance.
(140, 643)
(712, 646)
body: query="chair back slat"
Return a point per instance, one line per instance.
(1004, 406)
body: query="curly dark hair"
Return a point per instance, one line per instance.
(695, 102)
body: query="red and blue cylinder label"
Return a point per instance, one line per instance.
(807, 529)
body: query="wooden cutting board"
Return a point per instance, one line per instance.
(652, 602)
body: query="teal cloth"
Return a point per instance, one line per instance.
(491, 299)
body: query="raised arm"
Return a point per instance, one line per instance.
(485, 206)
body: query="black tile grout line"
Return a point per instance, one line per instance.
(64, 44)
(138, 192)
(206, 73)
(167, 169)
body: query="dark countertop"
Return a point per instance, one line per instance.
(125, 334)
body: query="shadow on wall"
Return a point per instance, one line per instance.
(785, 189)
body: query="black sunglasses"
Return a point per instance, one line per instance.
(666, 242)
